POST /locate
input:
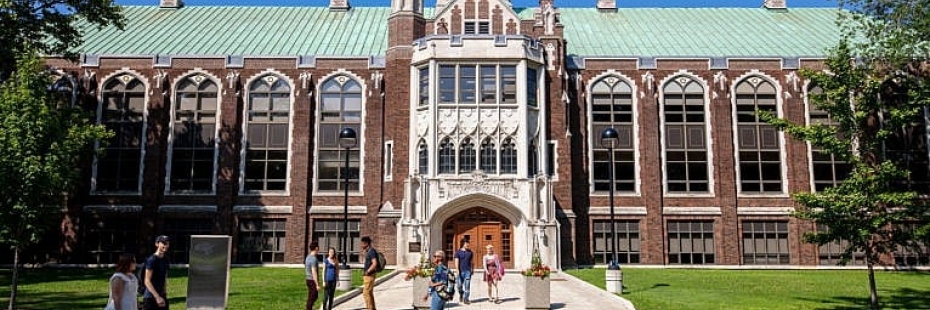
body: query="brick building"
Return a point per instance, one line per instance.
(474, 119)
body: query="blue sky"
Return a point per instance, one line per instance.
(516, 3)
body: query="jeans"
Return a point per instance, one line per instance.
(435, 302)
(328, 293)
(463, 284)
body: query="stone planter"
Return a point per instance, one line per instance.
(536, 292)
(420, 287)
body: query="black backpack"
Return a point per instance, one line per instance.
(447, 290)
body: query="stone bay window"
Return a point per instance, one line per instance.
(475, 114)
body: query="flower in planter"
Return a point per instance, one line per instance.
(422, 270)
(537, 268)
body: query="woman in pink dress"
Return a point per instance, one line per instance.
(493, 271)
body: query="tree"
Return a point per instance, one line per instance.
(42, 136)
(48, 26)
(876, 90)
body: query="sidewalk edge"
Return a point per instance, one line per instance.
(623, 301)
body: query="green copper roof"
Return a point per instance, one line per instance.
(708, 32)
(362, 31)
(216, 30)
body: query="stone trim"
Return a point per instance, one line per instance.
(264, 209)
(112, 208)
(337, 210)
(185, 209)
(691, 211)
(764, 210)
(618, 211)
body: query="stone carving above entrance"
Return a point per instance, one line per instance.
(478, 184)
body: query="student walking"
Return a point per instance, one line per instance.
(368, 277)
(330, 273)
(463, 261)
(156, 276)
(124, 285)
(312, 266)
(493, 271)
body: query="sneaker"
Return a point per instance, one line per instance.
(460, 298)
(467, 302)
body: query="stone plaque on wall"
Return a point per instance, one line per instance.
(208, 273)
(413, 247)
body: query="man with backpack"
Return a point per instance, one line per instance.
(370, 270)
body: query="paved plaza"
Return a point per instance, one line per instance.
(567, 292)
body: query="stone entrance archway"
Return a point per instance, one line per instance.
(481, 227)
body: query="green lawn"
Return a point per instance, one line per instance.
(696, 289)
(249, 288)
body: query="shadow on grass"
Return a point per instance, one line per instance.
(627, 290)
(27, 300)
(29, 276)
(903, 298)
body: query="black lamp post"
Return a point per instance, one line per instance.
(347, 140)
(609, 139)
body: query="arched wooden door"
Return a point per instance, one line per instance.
(481, 227)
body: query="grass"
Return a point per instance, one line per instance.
(249, 288)
(765, 289)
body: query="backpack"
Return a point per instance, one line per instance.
(447, 290)
(381, 262)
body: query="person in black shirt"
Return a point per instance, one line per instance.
(156, 276)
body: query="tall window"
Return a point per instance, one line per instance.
(907, 146)
(685, 132)
(388, 160)
(341, 107)
(328, 233)
(446, 156)
(261, 241)
(267, 129)
(424, 86)
(532, 87)
(628, 244)
(194, 135)
(758, 143)
(423, 157)
(508, 84)
(488, 84)
(508, 157)
(691, 242)
(612, 106)
(765, 243)
(533, 158)
(467, 84)
(829, 170)
(447, 84)
(467, 158)
(122, 111)
(488, 156)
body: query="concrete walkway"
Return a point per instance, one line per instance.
(567, 292)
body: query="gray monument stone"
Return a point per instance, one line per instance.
(208, 273)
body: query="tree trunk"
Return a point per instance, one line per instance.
(873, 294)
(14, 279)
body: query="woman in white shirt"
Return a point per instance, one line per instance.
(124, 286)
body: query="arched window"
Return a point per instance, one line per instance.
(340, 107)
(612, 106)
(193, 141)
(122, 111)
(758, 144)
(829, 170)
(423, 157)
(446, 156)
(267, 132)
(686, 159)
(508, 157)
(488, 156)
(467, 156)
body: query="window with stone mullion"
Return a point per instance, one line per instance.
(446, 156)
(612, 106)
(508, 157)
(765, 243)
(122, 112)
(759, 147)
(423, 158)
(267, 130)
(193, 140)
(340, 107)
(829, 170)
(685, 147)
(467, 158)
(488, 156)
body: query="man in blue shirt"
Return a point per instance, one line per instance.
(369, 272)
(156, 276)
(463, 259)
